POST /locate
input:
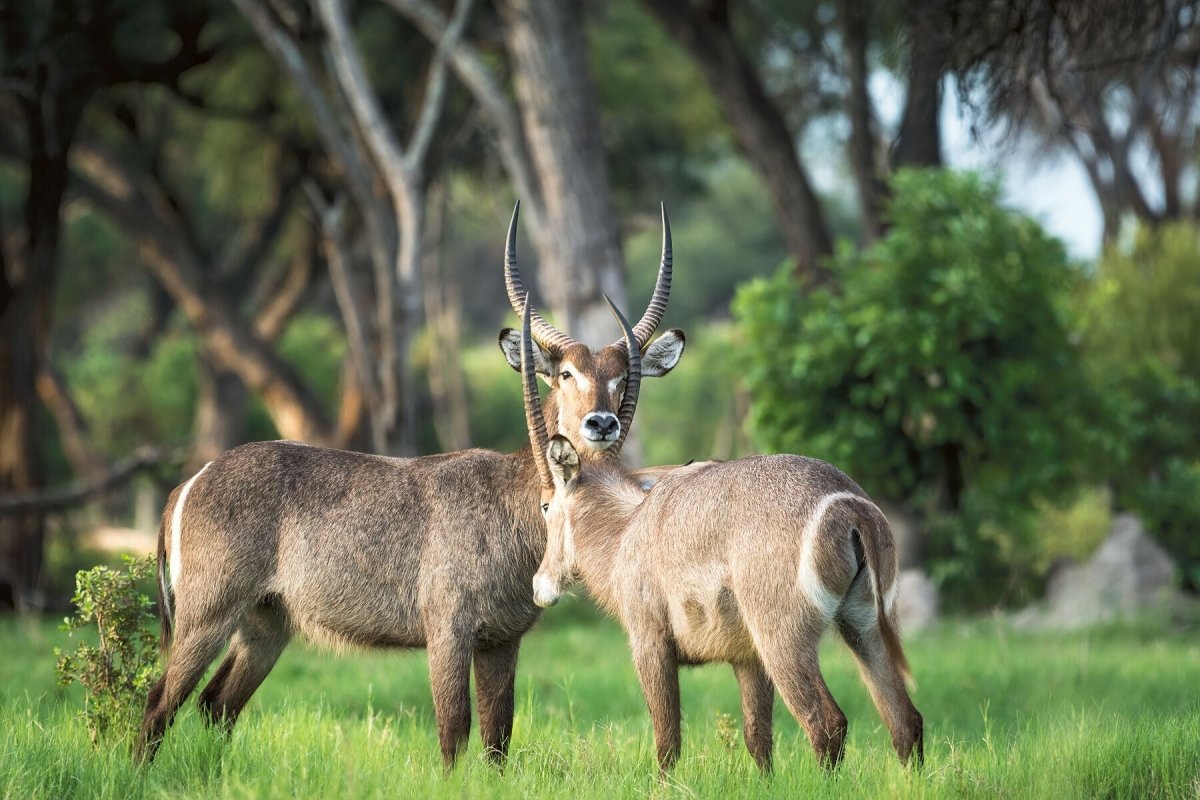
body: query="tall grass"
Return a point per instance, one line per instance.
(1110, 713)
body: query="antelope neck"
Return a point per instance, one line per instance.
(603, 503)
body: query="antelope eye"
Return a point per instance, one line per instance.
(564, 375)
(545, 508)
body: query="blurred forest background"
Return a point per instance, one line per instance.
(231, 221)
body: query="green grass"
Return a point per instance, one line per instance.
(1110, 713)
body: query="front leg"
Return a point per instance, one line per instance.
(450, 679)
(657, 666)
(758, 705)
(495, 681)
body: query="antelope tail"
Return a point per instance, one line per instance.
(874, 557)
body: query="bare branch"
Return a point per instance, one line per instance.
(130, 200)
(330, 217)
(352, 78)
(283, 299)
(337, 143)
(78, 493)
(72, 427)
(499, 111)
(435, 91)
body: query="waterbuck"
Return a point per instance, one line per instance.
(746, 562)
(277, 538)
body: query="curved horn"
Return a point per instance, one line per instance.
(546, 334)
(662, 291)
(633, 379)
(534, 421)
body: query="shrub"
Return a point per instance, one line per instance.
(941, 370)
(117, 671)
(1142, 343)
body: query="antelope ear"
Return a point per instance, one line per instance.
(564, 460)
(510, 345)
(661, 356)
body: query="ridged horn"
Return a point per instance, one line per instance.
(650, 321)
(546, 334)
(534, 420)
(633, 380)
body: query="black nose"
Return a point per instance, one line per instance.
(601, 424)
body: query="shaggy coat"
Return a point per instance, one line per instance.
(746, 562)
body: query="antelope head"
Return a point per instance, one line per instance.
(586, 403)
(558, 462)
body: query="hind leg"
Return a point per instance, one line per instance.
(495, 683)
(758, 705)
(197, 643)
(256, 645)
(858, 623)
(787, 644)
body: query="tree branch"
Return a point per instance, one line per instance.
(335, 139)
(131, 201)
(493, 101)
(435, 91)
(364, 104)
(72, 427)
(330, 218)
(280, 302)
(80, 492)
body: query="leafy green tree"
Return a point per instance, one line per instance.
(1142, 340)
(662, 130)
(943, 372)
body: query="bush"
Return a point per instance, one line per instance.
(942, 371)
(1142, 342)
(116, 673)
(691, 414)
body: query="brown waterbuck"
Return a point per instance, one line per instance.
(746, 562)
(277, 538)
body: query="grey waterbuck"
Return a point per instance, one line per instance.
(746, 562)
(277, 538)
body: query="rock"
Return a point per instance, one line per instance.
(916, 600)
(1129, 575)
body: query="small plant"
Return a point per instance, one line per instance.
(727, 732)
(117, 672)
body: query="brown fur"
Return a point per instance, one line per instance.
(164, 615)
(709, 565)
(350, 549)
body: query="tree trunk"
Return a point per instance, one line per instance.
(22, 303)
(353, 425)
(579, 240)
(919, 140)
(220, 422)
(759, 128)
(443, 318)
(410, 222)
(862, 150)
(26, 292)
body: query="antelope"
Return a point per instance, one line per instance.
(272, 539)
(746, 562)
